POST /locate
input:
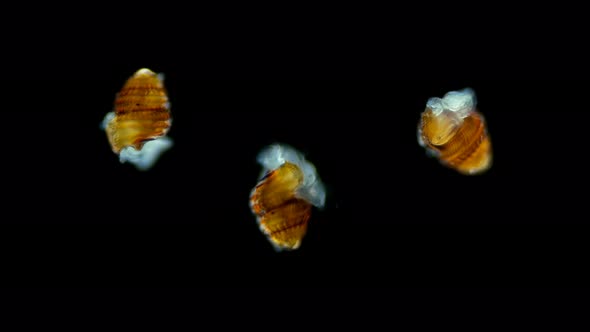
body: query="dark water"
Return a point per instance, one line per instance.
(394, 217)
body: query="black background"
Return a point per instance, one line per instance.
(394, 217)
(76, 217)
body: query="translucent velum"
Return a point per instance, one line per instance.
(136, 129)
(283, 198)
(452, 130)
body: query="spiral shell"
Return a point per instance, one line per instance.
(283, 199)
(453, 131)
(136, 129)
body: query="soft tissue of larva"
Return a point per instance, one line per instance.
(136, 129)
(452, 130)
(283, 198)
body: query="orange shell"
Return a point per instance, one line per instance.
(281, 216)
(465, 147)
(142, 112)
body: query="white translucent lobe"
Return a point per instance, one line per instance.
(460, 102)
(145, 158)
(312, 189)
(110, 116)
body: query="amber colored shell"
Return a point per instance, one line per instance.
(466, 148)
(141, 112)
(282, 216)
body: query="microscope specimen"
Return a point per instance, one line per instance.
(452, 130)
(136, 129)
(283, 198)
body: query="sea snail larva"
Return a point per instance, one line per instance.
(452, 130)
(283, 198)
(137, 128)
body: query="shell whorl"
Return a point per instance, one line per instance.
(142, 112)
(456, 133)
(281, 215)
